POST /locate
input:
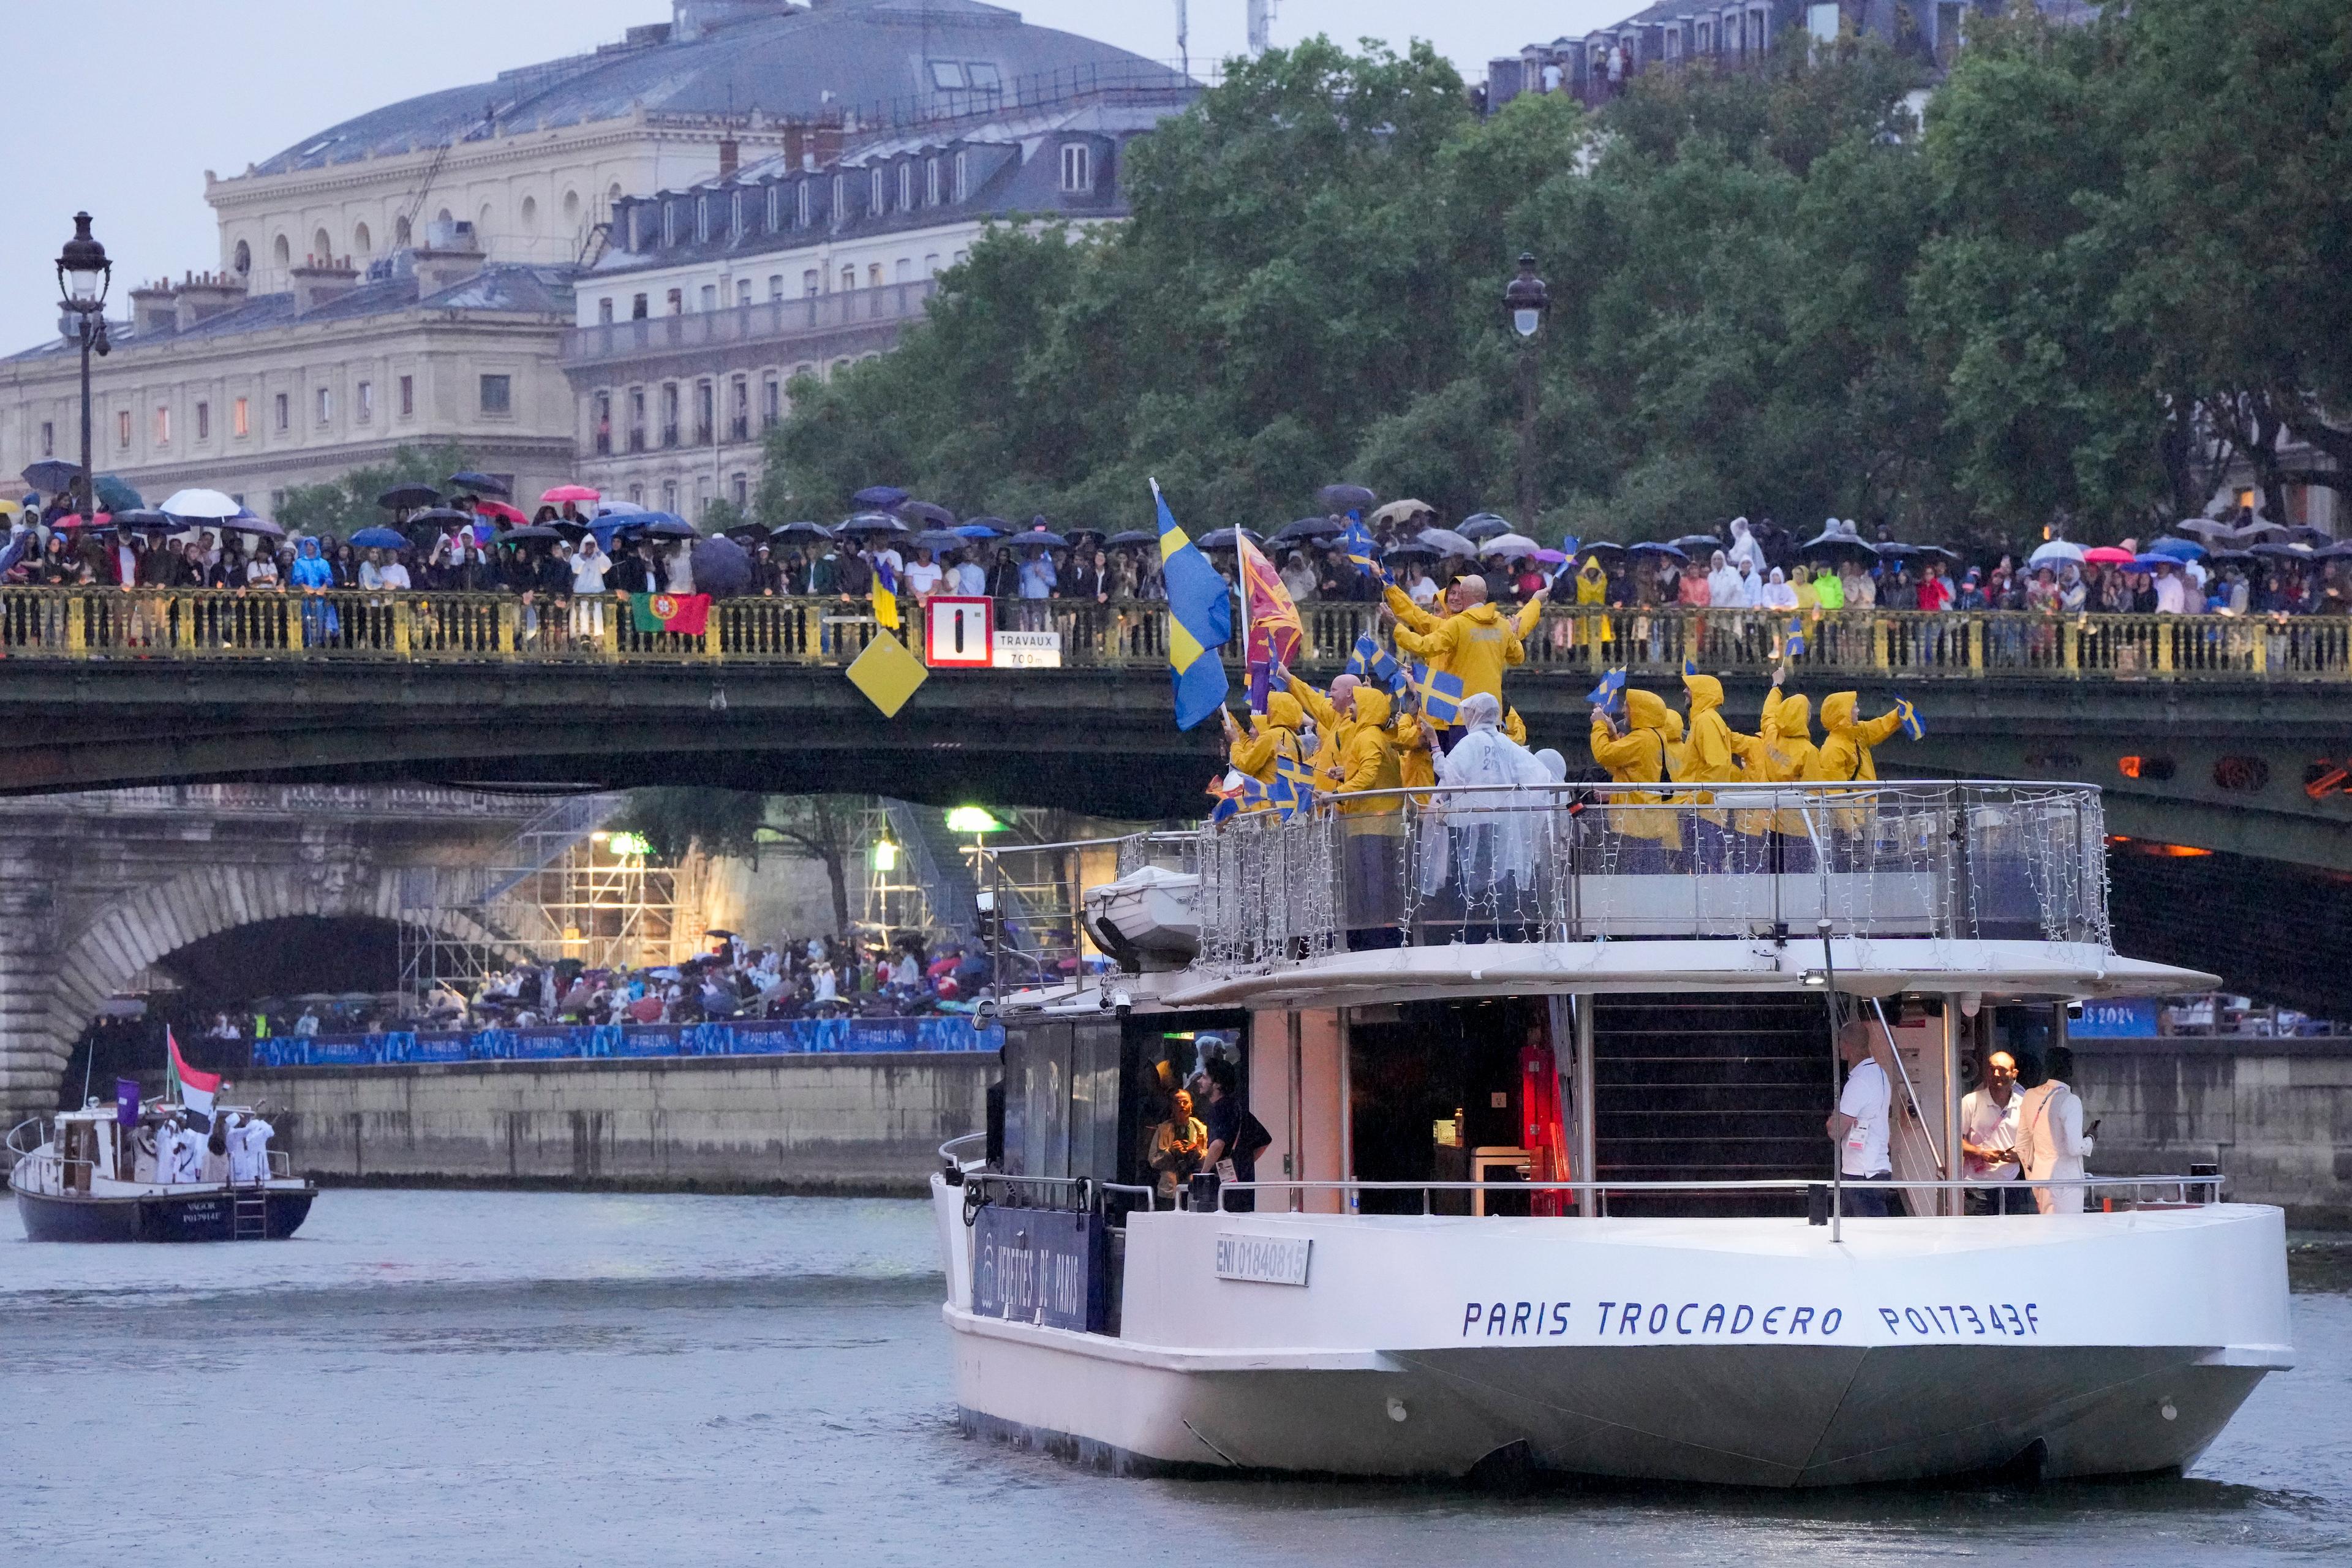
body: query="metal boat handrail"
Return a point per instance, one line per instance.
(48, 1178)
(2183, 1186)
(39, 1124)
(949, 1155)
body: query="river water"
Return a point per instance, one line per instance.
(527, 1379)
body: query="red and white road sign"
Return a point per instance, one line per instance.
(958, 633)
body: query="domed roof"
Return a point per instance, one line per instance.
(885, 59)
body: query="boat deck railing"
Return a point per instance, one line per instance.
(1572, 862)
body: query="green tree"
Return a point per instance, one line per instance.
(739, 823)
(338, 507)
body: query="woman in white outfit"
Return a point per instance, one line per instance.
(2050, 1143)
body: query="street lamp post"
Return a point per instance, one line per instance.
(1528, 300)
(83, 274)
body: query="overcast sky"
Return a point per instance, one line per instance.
(175, 89)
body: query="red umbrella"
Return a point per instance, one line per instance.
(2108, 555)
(562, 493)
(499, 508)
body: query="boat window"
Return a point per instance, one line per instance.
(1435, 1088)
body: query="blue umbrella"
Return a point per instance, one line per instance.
(802, 530)
(870, 523)
(977, 530)
(1309, 528)
(379, 538)
(479, 484)
(2150, 560)
(880, 495)
(1656, 550)
(2179, 549)
(1484, 525)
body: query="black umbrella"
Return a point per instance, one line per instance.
(880, 495)
(1936, 550)
(722, 568)
(400, 498)
(940, 539)
(1036, 538)
(748, 534)
(1652, 548)
(1133, 536)
(1414, 551)
(574, 531)
(1832, 540)
(1699, 543)
(1895, 549)
(479, 484)
(870, 523)
(1346, 498)
(442, 515)
(52, 476)
(1087, 531)
(997, 523)
(1484, 525)
(928, 512)
(527, 532)
(140, 520)
(1308, 528)
(1600, 547)
(666, 527)
(2231, 556)
(1224, 538)
(115, 494)
(802, 530)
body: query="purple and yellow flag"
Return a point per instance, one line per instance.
(1275, 633)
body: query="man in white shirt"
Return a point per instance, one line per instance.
(1989, 1137)
(248, 1150)
(971, 578)
(1862, 1126)
(2171, 594)
(922, 578)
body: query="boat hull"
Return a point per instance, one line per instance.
(1669, 1349)
(198, 1217)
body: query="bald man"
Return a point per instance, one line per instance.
(1989, 1138)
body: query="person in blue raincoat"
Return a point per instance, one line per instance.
(313, 575)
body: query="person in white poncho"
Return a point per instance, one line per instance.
(1492, 848)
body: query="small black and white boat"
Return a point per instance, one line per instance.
(83, 1175)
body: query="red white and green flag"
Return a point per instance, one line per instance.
(195, 1088)
(684, 613)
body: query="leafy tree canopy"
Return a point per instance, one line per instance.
(338, 507)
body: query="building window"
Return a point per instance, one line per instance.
(709, 297)
(1078, 167)
(742, 290)
(932, 266)
(775, 208)
(669, 414)
(962, 178)
(931, 181)
(811, 283)
(669, 496)
(408, 397)
(48, 439)
(906, 272)
(840, 200)
(364, 407)
(848, 279)
(326, 400)
(497, 395)
(678, 302)
(669, 225)
(281, 412)
(122, 429)
(806, 201)
(204, 421)
(874, 275)
(706, 400)
(638, 311)
(240, 419)
(874, 201)
(600, 417)
(983, 76)
(163, 426)
(604, 312)
(636, 495)
(735, 216)
(772, 402)
(702, 220)
(775, 285)
(738, 411)
(947, 76)
(741, 484)
(637, 421)
(905, 184)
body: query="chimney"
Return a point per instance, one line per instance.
(449, 256)
(318, 280)
(731, 157)
(152, 309)
(206, 295)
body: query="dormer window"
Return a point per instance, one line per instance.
(874, 205)
(735, 217)
(702, 220)
(669, 225)
(962, 178)
(1078, 167)
(905, 184)
(948, 76)
(981, 76)
(840, 199)
(931, 181)
(775, 208)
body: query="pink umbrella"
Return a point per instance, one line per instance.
(513, 515)
(2108, 555)
(562, 493)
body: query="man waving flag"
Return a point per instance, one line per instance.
(1274, 630)
(1200, 620)
(196, 1088)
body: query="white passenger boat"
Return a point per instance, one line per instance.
(1549, 1186)
(82, 1176)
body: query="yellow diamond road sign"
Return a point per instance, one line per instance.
(888, 673)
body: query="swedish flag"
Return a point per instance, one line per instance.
(1200, 620)
(1441, 694)
(1371, 661)
(1912, 728)
(1357, 541)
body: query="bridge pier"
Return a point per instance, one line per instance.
(32, 1051)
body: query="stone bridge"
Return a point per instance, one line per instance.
(96, 888)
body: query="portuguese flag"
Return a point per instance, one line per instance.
(687, 613)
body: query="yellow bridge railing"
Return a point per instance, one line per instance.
(205, 625)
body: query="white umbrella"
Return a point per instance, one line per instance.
(1510, 546)
(208, 506)
(2057, 550)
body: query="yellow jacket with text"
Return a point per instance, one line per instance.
(1783, 754)
(1371, 762)
(1273, 736)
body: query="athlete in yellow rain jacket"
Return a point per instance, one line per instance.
(1784, 754)
(1417, 750)
(1335, 720)
(1271, 737)
(1638, 754)
(1371, 762)
(1474, 646)
(1845, 753)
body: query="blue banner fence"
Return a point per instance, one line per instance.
(603, 1042)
